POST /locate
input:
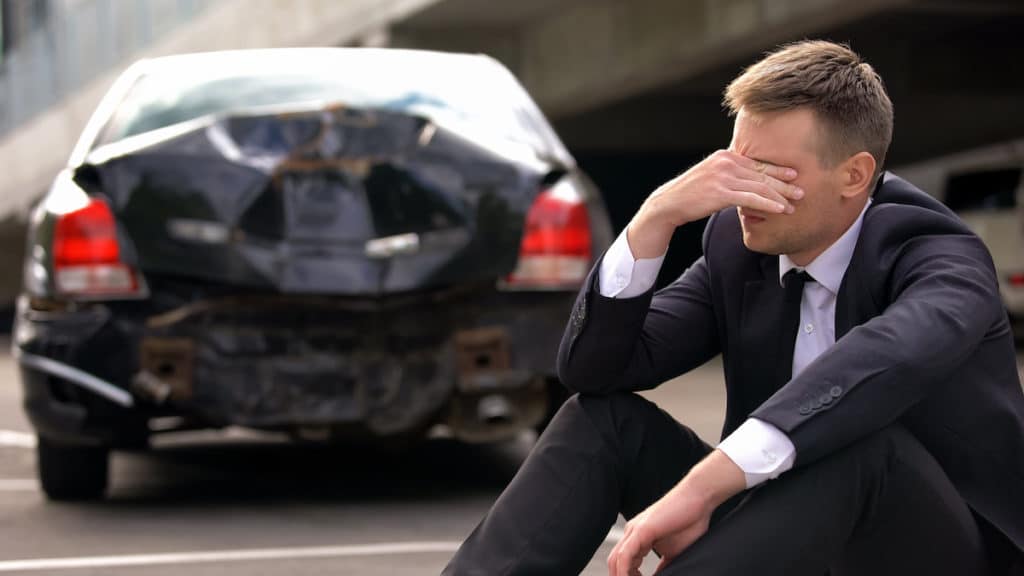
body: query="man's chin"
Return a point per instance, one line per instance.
(760, 246)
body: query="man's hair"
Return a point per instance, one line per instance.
(844, 92)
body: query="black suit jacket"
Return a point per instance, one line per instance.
(922, 339)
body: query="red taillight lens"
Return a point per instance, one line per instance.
(86, 236)
(86, 255)
(1016, 280)
(555, 251)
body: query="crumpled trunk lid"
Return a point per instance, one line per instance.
(331, 201)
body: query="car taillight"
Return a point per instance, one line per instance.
(86, 255)
(1016, 279)
(556, 250)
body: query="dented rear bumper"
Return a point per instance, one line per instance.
(479, 361)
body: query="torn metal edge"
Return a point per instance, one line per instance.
(75, 376)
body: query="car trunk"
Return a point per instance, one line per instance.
(336, 201)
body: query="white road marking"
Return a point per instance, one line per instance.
(18, 439)
(614, 535)
(19, 485)
(38, 564)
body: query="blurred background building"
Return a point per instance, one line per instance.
(632, 86)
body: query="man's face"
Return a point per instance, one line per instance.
(791, 139)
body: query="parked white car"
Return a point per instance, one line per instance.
(986, 188)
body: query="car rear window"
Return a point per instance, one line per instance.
(472, 91)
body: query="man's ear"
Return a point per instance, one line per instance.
(855, 174)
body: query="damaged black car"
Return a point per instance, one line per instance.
(360, 245)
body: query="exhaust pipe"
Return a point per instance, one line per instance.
(494, 409)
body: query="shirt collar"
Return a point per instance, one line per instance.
(830, 266)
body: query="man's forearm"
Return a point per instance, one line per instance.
(594, 363)
(647, 237)
(714, 479)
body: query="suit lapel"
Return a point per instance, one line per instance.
(762, 314)
(845, 306)
(855, 302)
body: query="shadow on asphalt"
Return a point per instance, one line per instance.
(224, 473)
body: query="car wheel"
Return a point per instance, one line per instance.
(72, 472)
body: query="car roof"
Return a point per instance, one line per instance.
(262, 57)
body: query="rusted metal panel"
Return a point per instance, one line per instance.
(168, 361)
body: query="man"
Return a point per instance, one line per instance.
(875, 420)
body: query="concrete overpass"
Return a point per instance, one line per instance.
(632, 86)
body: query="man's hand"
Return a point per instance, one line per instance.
(721, 180)
(679, 518)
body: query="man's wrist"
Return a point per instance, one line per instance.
(715, 479)
(648, 236)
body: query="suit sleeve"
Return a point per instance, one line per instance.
(944, 300)
(629, 344)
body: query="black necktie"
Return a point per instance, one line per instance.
(793, 283)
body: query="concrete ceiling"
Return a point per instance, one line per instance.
(954, 70)
(462, 14)
(646, 76)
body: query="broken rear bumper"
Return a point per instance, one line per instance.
(479, 362)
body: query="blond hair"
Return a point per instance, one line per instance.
(845, 94)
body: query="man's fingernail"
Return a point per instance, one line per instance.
(798, 192)
(790, 173)
(781, 207)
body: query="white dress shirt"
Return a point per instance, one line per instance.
(760, 449)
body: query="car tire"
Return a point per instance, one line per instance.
(72, 473)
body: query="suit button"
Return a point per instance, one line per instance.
(826, 399)
(816, 404)
(805, 409)
(836, 391)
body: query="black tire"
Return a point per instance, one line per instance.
(72, 473)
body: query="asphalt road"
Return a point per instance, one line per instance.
(234, 503)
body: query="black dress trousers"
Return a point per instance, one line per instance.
(880, 506)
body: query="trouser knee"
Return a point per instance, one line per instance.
(614, 409)
(883, 444)
(890, 450)
(610, 415)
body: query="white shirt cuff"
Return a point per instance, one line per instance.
(623, 277)
(761, 450)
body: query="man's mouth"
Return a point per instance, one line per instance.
(751, 217)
